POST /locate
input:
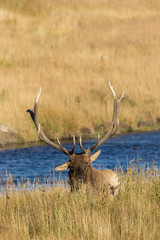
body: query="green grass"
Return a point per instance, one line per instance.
(47, 213)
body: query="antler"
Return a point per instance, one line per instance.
(112, 129)
(42, 136)
(113, 126)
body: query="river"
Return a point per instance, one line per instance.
(38, 162)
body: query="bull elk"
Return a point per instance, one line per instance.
(80, 170)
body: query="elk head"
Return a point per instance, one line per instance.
(80, 169)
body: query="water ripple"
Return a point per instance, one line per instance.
(39, 161)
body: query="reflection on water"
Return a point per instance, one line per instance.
(39, 161)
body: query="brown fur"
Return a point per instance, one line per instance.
(82, 173)
(80, 170)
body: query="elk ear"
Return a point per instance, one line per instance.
(94, 156)
(62, 167)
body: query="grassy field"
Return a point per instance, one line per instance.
(47, 214)
(71, 50)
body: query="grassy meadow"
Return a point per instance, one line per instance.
(72, 49)
(48, 214)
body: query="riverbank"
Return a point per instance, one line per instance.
(9, 138)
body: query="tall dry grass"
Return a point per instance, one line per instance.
(46, 213)
(71, 50)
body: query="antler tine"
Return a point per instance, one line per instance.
(38, 95)
(63, 149)
(42, 136)
(115, 106)
(98, 137)
(35, 110)
(89, 150)
(59, 143)
(121, 97)
(116, 128)
(80, 143)
(114, 122)
(113, 92)
(74, 145)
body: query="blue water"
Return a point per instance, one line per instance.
(38, 162)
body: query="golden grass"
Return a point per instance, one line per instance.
(46, 213)
(71, 50)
